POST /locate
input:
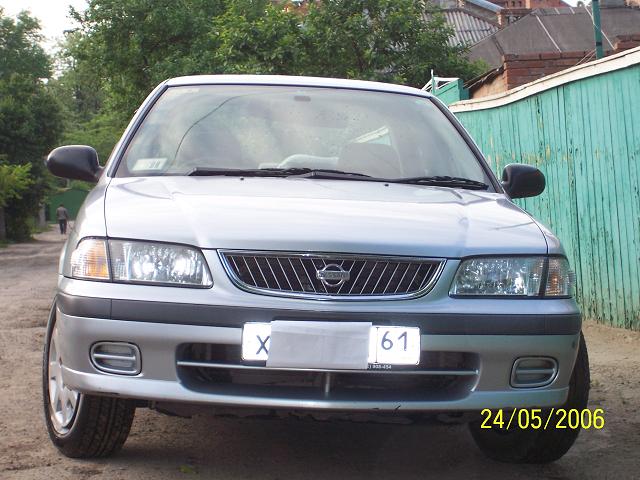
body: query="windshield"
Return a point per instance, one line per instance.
(382, 135)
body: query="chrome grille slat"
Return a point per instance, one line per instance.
(352, 277)
(246, 264)
(273, 273)
(307, 274)
(426, 276)
(402, 278)
(384, 269)
(255, 259)
(293, 269)
(286, 277)
(386, 287)
(375, 264)
(364, 264)
(413, 278)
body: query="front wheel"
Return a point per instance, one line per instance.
(80, 425)
(538, 446)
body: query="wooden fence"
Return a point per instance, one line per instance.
(581, 127)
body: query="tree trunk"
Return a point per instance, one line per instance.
(3, 228)
(42, 220)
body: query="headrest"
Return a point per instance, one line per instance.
(214, 148)
(375, 159)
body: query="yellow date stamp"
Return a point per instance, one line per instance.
(543, 419)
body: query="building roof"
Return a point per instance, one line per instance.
(486, 5)
(468, 28)
(555, 30)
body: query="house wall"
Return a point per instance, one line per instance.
(580, 127)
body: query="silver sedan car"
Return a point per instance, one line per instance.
(307, 246)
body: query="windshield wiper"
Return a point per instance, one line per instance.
(278, 172)
(329, 174)
(443, 181)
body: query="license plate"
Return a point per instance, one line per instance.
(387, 345)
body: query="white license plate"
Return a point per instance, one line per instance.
(387, 345)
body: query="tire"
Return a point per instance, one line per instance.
(538, 446)
(96, 426)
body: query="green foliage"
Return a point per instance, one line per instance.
(255, 36)
(14, 180)
(80, 86)
(30, 120)
(396, 41)
(135, 44)
(102, 132)
(20, 50)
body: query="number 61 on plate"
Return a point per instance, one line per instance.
(394, 345)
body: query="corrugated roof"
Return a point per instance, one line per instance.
(555, 30)
(468, 28)
(486, 5)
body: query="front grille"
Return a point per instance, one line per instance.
(331, 275)
(216, 368)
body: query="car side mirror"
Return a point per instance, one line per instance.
(75, 162)
(520, 180)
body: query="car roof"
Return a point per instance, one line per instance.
(293, 81)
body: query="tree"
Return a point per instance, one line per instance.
(136, 44)
(255, 36)
(396, 41)
(30, 122)
(14, 181)
(81, 90)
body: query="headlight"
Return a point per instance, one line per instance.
(513, 277)
(144, 263)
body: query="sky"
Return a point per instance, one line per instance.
(53, 15)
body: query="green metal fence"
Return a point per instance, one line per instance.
(582, 129)
(71, 198)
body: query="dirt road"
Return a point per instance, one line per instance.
(162, 447)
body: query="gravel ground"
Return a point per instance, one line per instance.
(206, 447)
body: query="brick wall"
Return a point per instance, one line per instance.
(625, 42)
(521, 69)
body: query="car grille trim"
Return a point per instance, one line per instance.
(230, 366)
(370, 277)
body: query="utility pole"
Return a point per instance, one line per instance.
(597, 32)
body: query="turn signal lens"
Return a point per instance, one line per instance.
(560, 279)
(89, 260)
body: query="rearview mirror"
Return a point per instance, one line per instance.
(75, 162)
(520, 180)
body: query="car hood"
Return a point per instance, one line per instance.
(301, 214)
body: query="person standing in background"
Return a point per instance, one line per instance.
(63, 217)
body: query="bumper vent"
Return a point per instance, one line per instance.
(331, 276)
(116, 357)
(530, 372)
(218, 369)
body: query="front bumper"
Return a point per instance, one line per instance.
(495, 340)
